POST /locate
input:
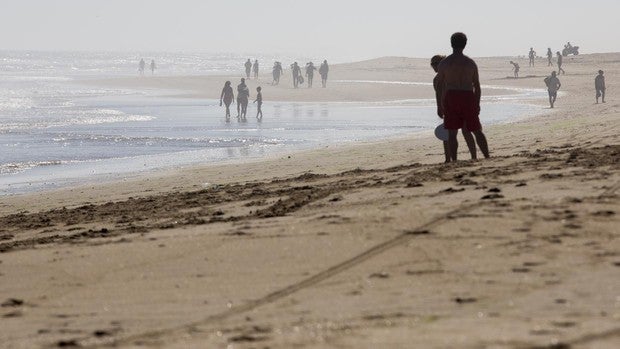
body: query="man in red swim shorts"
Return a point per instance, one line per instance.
(459, 90)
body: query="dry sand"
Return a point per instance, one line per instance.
(376, 245)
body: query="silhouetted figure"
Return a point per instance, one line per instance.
(549, 57)
(323, 71)
(227, 96)
(599, 85)
(276, 72)
(153, 67)
(259, 103)
(310, 68)
(553, 85)
(532, 56)
(560, 70)
(296, 71)
(515, 68)
(243, 97)
(255, 68)
(458, 93)
(248, 68)
(469, 138)
(141, 66)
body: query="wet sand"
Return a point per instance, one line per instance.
(363, 246)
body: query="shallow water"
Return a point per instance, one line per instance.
(54, 133)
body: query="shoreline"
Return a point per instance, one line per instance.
(349, 246)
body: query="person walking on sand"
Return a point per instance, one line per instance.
(228, 97)
(255, 69)
(310, 68)
(599, 85)
(549, 57)
(469, 138)
(153, 67)
(515, 69)
(532, 56)
(553, 85)
(459, 94)
(248, 68)
(259, 103)
(323, 71)
(243, 98)
(560, 58)
(141, 66)
(276, 72)
(296, 71)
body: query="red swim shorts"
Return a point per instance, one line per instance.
(461, 111)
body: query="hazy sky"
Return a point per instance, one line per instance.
(343, 29)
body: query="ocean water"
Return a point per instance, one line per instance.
(55, 133)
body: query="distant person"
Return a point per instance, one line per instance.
(243, 96)
(469, 138)
(549, 57)
(323, 71)
(276, 72)
(532, 56)
(459, 95)
(296, 71)
(599, 85)
(560, 70)
(259, 103)
(515, 69)
(228, 97)
(255, 68)
(553, 85)
(248, 68)
(310, 68)
(152, 67)
(141, 66)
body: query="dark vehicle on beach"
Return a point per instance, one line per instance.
(569, 49)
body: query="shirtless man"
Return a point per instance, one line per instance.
(599, 85)
(458, 94)
(532, 55)
(515, 68)
(553, 85)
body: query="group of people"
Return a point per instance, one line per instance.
(296, 70)
(227, 97)
(142, 66)
(532, 60)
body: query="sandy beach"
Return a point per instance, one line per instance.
(371, 245)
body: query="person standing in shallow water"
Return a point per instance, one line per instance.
(323, 71)
(227, 97)
(560, 58)
(599, 85)
(276, 72)
(255, 69)
(243, 98)
(549, 57)
(458, 94)
(553, 85)
(532, 55)
(259, 103)
(248, 68)
(153, 67)
(469, 138)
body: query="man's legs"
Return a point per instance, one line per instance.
(481, 140)
(471, 143)
(453, 144)
(603, 95)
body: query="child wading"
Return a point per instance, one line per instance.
(259, 103)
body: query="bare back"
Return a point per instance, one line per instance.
(458, 72)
